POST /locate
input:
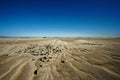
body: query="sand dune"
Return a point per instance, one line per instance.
(59, 59)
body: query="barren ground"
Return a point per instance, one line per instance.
(59, 59)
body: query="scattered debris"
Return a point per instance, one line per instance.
(36, 50)
(44, 51)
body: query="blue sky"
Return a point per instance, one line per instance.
(60, 18)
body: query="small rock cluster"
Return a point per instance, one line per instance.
(44, 59)
(36, 50)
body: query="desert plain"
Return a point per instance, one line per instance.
(59, 58)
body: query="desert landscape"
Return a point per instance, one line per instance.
(59, 59)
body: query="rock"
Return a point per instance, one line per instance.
(33, 59)
(45, 57)
(50, 57)
(40, 59)
(40, 65)
(62, 61)
(48, 60)
(35, 72)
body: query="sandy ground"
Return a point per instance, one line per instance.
(59, 59)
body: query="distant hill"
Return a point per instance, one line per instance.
(16, 37)
(4, 36)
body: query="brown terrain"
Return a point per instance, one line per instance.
(59, 58)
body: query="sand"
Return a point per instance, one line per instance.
(59, 59)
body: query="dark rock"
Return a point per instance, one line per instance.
(33, 51)
(59, 50)
(44, 54)
(35, 72)
(40, 65)
(54, 50)
(40, 59)
(33, 59)
(25, 51)
(47, 52)
(19, 51)
(48, 60)
(41, 54)
(43, 61)
(45, 57)
(62, 61)
(6, 54)
(50, 57)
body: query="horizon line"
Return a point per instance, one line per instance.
(59, 36)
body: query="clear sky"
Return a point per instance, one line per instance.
(60, 18)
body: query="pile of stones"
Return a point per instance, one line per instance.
(36, 50)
